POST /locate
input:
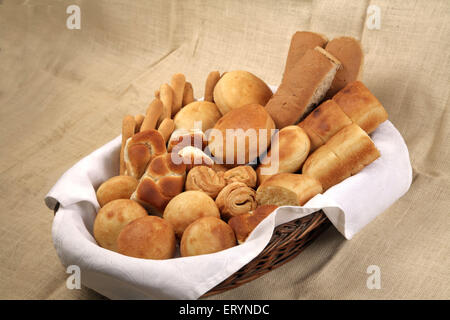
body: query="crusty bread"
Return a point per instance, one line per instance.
(205, 179)
(345, 154)
(238, 149)
(163, 180)
(349, 52)
(360, 105)
(244, 174)
(301, 42)
(321, 124)
(238, 88)
(289, 149)
(303, 87)
(204, 113)
(244, 224)
(118, 187)
(141, 149)
(288, 189)
(235, 199)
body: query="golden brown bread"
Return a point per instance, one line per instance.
(148, 237)
(154, 111)
(187, 207)
(206, 235)
(210, 84)
(118, 187)
(301, 42)
(112, 218)
(167, 97)
(205, 179)
(288, 189)
(188, 94)
(163, 180)
(141, 149)
(349, 52)
(360, 105)
(289, 149)
(177, 83)
(166, 128)
(128, 129)
(244, 174)
(235, 199)
(345, 154)
(238, 88)
(303, 87)
(236, 138)
(203, 113)
(244, 224)
(324, 122)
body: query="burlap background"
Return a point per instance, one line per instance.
(64, 92)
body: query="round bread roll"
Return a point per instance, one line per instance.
(187, 207)
(112, 218)
(238, 137)
(238, 88)
(206, 235)
(148, 237)
(203, 111)
(119, 187)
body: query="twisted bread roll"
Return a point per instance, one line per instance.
(244, 174)
(236, 199)
(205, 179)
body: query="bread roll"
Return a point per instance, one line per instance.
(183, 138)
(345, 154)
(141, 149)
(206, 235)
(205, 179)
(204, 113)
(148, 237)
(118, 187)
(288, 189)
(349, 52)
(324, 122)
(244, 224)
(303, 87)
(244, 174)
(163, 180)
(236, 138)
(235, 199)
(193, 157)
(238, 88)
(289, 149)
(360, 105)
(301, 42)
(187, 207)
(112, 218)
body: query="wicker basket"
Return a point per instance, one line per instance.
(288, 240)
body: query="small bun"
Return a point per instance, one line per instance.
(236, 199)
(187, 207)
(199, 111)
(112, 218)
(244, 174)
(148, 237)
(206, 235)
(205, 179)
(238, 88)
(119, 187)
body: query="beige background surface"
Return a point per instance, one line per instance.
(64, 92)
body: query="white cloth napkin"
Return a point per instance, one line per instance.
(350, 206)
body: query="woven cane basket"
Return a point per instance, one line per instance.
(288, 240)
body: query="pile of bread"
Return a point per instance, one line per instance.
(177, 193)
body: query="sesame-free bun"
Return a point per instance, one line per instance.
(206, 235)
(237, 148)
(204, 111)
(187, 207)
(112, 218)
(148, 237)
(119, 187)
(238, 88)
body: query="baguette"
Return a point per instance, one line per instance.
(177, 83)
(303, 87)
(188, 94)
(154, 112)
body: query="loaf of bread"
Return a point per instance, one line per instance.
(238, 137)
(361, 106)
(163, 180)
(118, 187)
(205, 179)
(238, 88)
(349, 52)
(141, 149)
(301, 42)
(289, 149)
(345, 154)
(324, 122)
(244, 224)
(303, 87)
(288, 189)
(235, 199)
(201, 115)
